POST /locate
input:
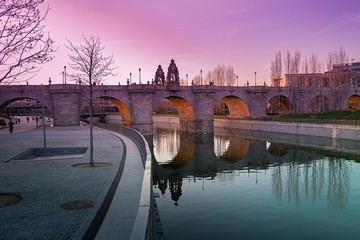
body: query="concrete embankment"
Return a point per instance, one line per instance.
(308, 129)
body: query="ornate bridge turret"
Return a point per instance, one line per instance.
(172, 77)
(159, 76)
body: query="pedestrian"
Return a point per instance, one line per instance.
(11, 127)
(37, 122)
(19, 120)
(27, 119)
(15, 120)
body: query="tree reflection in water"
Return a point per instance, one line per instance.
(310, 176)
(297, 173)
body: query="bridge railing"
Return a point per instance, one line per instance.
(303, 120)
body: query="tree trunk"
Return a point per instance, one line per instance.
(91, 127)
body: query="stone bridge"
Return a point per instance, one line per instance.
(195, 104)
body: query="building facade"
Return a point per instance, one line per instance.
(340, 76)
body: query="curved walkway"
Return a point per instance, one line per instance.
(46, 185)
(119, 221)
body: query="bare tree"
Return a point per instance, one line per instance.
(23, 44)
(343, 58)
(314, 64)
(91, 67)
(306, 66)
(295, 62)
(219, 75)
(197, 80)
(288, 63)
(222, 75)
(276, 67)
(230, 76)
(182, 82)
(208, 78)
(336, 58)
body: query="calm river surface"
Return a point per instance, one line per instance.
(243, 185)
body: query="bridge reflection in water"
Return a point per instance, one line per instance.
(299, 170)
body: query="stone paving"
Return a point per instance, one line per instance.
(46, 185)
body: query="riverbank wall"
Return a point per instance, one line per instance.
(308, 129)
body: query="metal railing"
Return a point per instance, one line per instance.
(130, 133)
(303, 120)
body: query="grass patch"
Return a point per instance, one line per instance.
(220, 116)
(299, 116)
(331, 115)
(166, 114)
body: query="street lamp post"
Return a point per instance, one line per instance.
(187, 79)
(237, 80)
(200, 77)
(9, 110)
(130, 79)
(255, 78)
(139, 75)
(65, 74)
(43, 117)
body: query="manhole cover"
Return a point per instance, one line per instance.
(7, 199)
(95, 165)
(77, 205)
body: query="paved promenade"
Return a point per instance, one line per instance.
(45, 185)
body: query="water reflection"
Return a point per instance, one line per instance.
(174, 146)
(320, 179)
(230, 148)
(299, 173)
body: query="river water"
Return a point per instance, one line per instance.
(250, 185)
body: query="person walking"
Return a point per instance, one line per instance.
(27, 119)
(37, 122)
(11, 127)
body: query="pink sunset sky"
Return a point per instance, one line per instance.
(200, 34)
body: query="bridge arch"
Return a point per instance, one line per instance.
(185, 110)
(123, 109)
(184, 107)
(353, 102)
(319, 103)
(237, 107)
(9, 101)
(279, 104)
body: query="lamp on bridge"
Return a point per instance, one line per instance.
(255, 78)
(200, 77)
(65, 74)
(139, 75)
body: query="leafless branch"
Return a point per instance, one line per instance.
(23, 44)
